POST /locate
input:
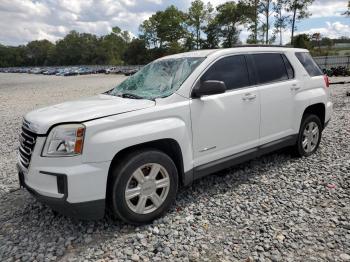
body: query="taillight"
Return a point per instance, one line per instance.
(326, 80)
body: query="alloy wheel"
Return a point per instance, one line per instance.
(147, 188)
(311, 136)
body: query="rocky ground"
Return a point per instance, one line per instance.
(275, 208)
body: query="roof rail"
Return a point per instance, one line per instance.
(260, 45)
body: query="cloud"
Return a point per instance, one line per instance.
(332, 30)
(22, 21)
(327, 8)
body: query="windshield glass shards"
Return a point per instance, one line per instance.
(160, 78)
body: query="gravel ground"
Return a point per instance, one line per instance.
(274, 208)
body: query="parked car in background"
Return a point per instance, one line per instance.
(130, 72)
(36, 70)
(50, 71)
(112, 70)
(73, 70)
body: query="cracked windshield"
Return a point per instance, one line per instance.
(158, 79)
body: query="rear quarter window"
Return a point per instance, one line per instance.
(309, 64)
(290, 70)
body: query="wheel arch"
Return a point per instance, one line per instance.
(167, 145)
(318, 109)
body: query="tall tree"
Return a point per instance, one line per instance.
(253, 17)
(114, 45)
(198, 16)
(171, 27)
(148, 31)
(36, 52)
(164, 28)
(299, 11)
(212, 30)
(229, 16)
(316, 38)
(266, 11)
(281, 20)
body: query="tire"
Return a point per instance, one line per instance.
(143, 186)
(308, 141)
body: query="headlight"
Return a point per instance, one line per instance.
(65, 140)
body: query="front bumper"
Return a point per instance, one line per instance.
(83, 210)
(66, 184)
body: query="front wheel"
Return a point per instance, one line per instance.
(309, 136)
(144, 186)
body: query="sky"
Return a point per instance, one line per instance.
(22, 21)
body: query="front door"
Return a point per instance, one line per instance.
(228, 123)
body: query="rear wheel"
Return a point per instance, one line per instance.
(309, 136)
(144, 186)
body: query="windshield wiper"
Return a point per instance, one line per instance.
(129, 95)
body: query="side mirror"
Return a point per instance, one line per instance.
(209, 87)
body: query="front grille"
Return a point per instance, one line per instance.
(27, 141)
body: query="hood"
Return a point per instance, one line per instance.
(82, 110)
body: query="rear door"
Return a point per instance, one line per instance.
(227, 123)
(277, 88)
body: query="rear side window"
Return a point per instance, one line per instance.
(309, 64)
(289, 68)
(231, 70)
(270, 67)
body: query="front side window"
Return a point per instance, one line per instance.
(160, 78)
(270, 67)
(231, 70)
(309, 64)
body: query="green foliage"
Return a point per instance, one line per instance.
(252, 13)
(229, 16)
(170, 28)
(148, 31)
(137, 53)
(326, 41)
(302, 41)
(12, 56)
(164, 28)
(113, 46)
(198, 17)
(213, 35)
(75, 48)
(37, 52)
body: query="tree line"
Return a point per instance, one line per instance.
(167, 32)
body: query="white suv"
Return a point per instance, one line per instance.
(178, 119)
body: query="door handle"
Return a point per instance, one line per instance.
(248, 97)
(295, 87)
